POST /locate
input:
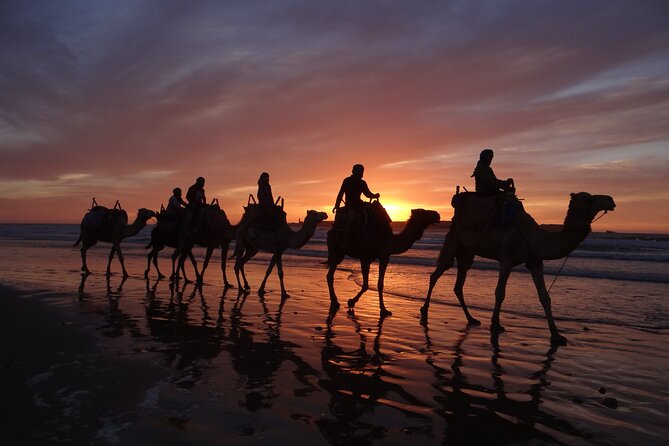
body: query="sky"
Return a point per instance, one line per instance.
(125, 100)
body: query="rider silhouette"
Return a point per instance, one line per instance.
(351, 188)
(175, 203)
(487, 183)
(265, 211)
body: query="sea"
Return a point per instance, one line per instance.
(611, 278)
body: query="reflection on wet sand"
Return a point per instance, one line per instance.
(461, 398)
(358, 384)
(467, 407)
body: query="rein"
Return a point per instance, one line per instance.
(567, 256)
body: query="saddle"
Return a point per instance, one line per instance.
(100, 216)
(264, 218)
(370, 219)
(475, 215)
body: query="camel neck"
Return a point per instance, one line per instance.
(134, 227)
(300, 237)
(400, 243)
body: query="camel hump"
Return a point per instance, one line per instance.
(371, 220)
(100, 216)
(481, 213)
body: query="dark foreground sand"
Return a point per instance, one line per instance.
(100, 361)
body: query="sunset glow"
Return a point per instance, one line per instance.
(126, 100)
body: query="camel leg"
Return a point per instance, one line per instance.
(175, 271)
(155, 263)
(224, 261)
(84, 267)
(500, 293)
(148, 264)
(279, 270)
(272, 262)
(239, 267)
(383, 264)
(122, 260)
(464, 263)
(334, 302)
(537, 270)
(364, 266)
(434, 277)
(194, 263)
(207, 257)
(111, 256)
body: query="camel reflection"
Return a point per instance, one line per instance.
(482, 414)
(359, 384)
(188, 340)
(260, 361)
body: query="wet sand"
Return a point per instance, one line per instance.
(142, 361)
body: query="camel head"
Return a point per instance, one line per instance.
(424, 217)
(145, 214)
(315, 216)
(587, 206)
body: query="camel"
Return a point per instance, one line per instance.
(112, 231)
(218, 232)
(213, 230)
(371, 247)
(524, 241)
(166, 233)
(275, 241)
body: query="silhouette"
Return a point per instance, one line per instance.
(377, 241)
(213, 230)
(110, 226)
(361, 381)
(466, 404)
(264, 212)
(351, 188)
(166, 233)
(487, 183)
(275, 241)
(195, 195)
(175, 203)
(259, 361)
(522, 242)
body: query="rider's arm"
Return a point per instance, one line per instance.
(367, 192)
(340, 195)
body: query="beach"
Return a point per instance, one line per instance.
(100, 360)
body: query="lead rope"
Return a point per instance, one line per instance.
(565, 259)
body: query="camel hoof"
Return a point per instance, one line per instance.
(187, 280)
(146, 274)
(161, 276)
(247, 287)
(473, 321)
(497, 328)
(423, 311)
(261, 291)
(284, 296)
(351, 303)
(558, 339)
(334, 305)
(227, 285)
(384, 312)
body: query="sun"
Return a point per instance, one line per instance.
(398, 211)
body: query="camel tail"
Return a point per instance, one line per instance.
(77, 242)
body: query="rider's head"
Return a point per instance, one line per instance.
(358, 170)
(486, 156)
(200, 181)
(177, 191)
(264, 178)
